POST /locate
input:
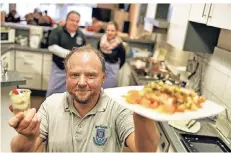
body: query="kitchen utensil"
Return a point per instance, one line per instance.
(190, 126)
(192, 123)
(194, 72)
(191, 65)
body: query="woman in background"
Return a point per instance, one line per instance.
(113, 51)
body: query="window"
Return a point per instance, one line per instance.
(4, 7)
(85, 12)
(24, 9)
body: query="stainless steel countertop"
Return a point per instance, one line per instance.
(86, 33)
(5, 47)
(207, 128)
(12, 78)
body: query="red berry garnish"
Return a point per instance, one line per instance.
(15, 91)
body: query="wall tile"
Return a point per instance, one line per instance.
(227, 93)
(204, 70)
(225, 63)
(220, 82)
(208, 58)
(206, 93)
(216, 100)
(209, 78)
(218, 61)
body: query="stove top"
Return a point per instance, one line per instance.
(200, 143)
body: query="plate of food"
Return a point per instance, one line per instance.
(163, 102)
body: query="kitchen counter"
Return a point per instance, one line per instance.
(92, 37)
(6, 47)
(87, 33)
(12, 78)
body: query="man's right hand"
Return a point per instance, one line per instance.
(28, 125)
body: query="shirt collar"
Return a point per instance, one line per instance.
(99, 107)
(65, 29)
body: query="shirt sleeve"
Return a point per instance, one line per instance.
(43, 114)
(124, 123)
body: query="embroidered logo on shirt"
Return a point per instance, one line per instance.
(79, 40)
(100, 138)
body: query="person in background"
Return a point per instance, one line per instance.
(36, 19)
(61, 23)
(114, 53)
(36, 13)
(97, 26)
(13, 17)
(61, 40)
(44, 21)
(30, 19)
(49, 18)
(83, 119)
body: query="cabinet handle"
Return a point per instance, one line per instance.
(203, 13)
(210, 10)
(28, 78)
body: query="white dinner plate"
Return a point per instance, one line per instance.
(181, 125)
(209, 108)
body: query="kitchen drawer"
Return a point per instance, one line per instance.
(33, 81)
(29, 66)
(47, 68)
(45, 81)
(47, 57)
(29, 55)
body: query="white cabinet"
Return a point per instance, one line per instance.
(178, 18)
(29, 65)
(199, 13)
(33, 81)
(220, 16)
(216, 15)
(8, 57)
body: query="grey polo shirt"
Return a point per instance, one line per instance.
(103, 129)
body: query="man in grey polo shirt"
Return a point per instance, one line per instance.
(83, 119)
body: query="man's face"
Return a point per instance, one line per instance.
(72, 22)
(84, 77)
